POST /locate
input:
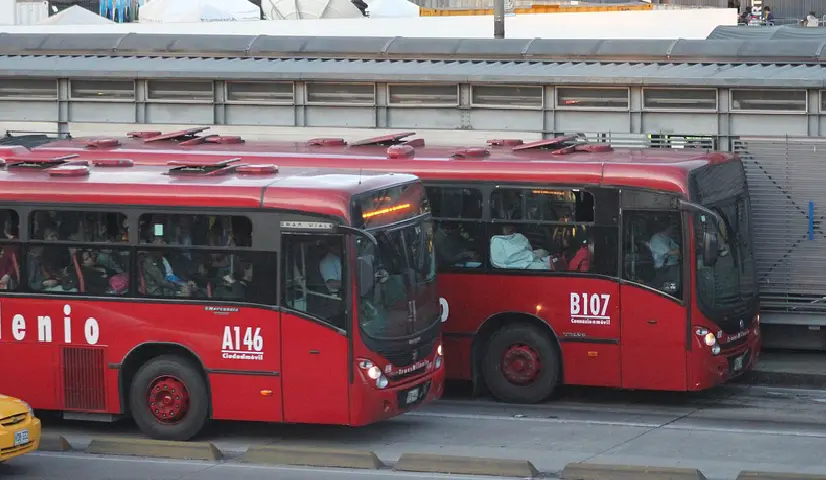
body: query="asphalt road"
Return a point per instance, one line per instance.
(722, 432)
(48, 466)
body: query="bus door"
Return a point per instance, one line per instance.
(315, 362)
(653, 311)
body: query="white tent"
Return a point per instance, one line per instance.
(308, 9)
(194, 11)
(392, 9)
(75, 15)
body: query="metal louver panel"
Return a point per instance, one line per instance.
(787, 185)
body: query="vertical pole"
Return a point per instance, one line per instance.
(498, 19)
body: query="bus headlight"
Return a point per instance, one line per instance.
(438, 361)
(710, 339)
(381, 382)
(374, 372)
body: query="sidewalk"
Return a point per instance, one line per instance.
(789, 369)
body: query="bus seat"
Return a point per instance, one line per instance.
(141, 279)
(16, 265)
(81, 286)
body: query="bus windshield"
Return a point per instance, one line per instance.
(729, 286)
(396, 277)
(397, 297)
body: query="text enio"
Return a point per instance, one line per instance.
(19, 327)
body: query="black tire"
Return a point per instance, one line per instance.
(196, 416)
(540, 342)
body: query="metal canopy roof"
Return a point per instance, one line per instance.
(808, 49)
(784, 32)
(582, 73)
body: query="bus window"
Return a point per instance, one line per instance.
(542, 204)
(455, 202)
(10, 250)
(653, 250)
(459, 234)
(75, 226)
(314, 276)
(219, 275)
(93, 270)
(198, 230)
(459, 244)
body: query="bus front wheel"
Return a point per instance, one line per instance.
(169, 399)
(521, 364)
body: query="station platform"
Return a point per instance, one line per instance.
(789, 369)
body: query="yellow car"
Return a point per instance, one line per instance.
(19, 428)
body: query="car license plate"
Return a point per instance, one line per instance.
(21, 437)
(412, 396)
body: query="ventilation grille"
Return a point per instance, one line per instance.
(84, 385)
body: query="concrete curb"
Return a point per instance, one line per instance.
(155, 448)
(591, 471)
(449, 464)
(311, 457)
(777, 476)
(783, 379)
(51, 443)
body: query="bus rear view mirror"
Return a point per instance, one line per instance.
(365, 274)
(711, 248)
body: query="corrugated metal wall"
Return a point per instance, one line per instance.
(786, 181)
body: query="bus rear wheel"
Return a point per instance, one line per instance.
(169, 399)
(521, 365)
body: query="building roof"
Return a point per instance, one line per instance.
(325, 192)
(783, 32)
(729, 45)
(665, 169)
(702, 63)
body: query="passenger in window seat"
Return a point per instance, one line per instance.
(584, 256)
(95, 276)
(451, 247)
(513, 250)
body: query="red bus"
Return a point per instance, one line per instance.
(559, 261)
(196, 291)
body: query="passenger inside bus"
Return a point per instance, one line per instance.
(330, 267)
(513, 250)
(452, 248)
(665, 251)
(584, 256)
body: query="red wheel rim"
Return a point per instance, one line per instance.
(521, 364)
(168, 399)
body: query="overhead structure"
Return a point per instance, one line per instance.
(532, 55)
(308, 9)
(784, 32)
(197, 11)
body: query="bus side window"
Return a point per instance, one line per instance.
(314, 276)
(653, 250)
(459, 235)
(10, 260)
(459, 244)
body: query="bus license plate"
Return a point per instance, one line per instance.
(738, 362)
(21, 437)
(412, 396)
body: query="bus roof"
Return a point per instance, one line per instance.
(561, 160)
(188, 184)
